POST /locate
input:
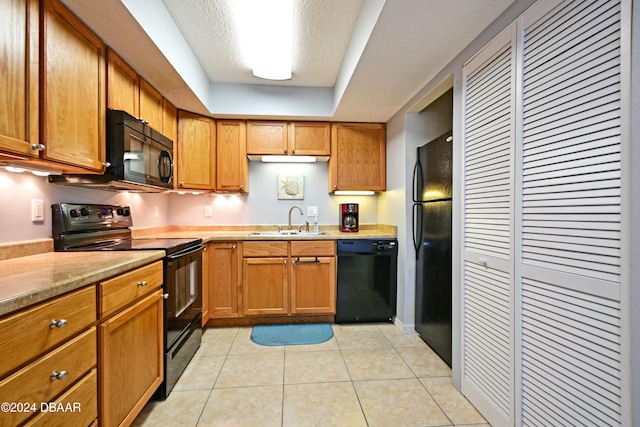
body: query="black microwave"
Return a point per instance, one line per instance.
(140, 159)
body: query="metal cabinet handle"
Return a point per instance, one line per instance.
(181, 184)
(142, 283)
(285, 151)
(165, 296)
(58, 323)
(293, 151)
(300, 261)
(233, 246)
(106, 164)
(39, 147)
(55, 375)
(483, 261)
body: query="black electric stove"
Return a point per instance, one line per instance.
(94, 227)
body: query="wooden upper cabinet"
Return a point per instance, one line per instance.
(73, 91)
(232, 168)
(310, 138)
(150, 105)
(196, 151)
(122, 86)
(288, 138)
(19, 77)
(264, 138)
(358, 157)
(129, 92)
(169, 121)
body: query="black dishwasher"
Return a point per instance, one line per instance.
(367, 280)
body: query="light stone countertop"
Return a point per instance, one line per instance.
(32, 279)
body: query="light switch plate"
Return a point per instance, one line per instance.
(312, 211)
(37, 210)
(208, 211)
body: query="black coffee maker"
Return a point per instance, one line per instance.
(349, 217)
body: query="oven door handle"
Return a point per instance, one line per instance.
(185, 253)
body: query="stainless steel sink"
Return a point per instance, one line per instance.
(285, 233)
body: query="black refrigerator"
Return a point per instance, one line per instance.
(432, 197)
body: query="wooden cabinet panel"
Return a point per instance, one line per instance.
(196, 151)
(73, 80)
(117, 293)
(310, 138)
(265, 286)
(123, 92)
(28, 333)
(267, 137)
(232, 166)
(34, 383)
(150, 105)
(313, 285)
(313, 248)
(221, 281)
(131, 364)
(82, 396)
(264, 248)
(358, 157)
(170, 121)
(19, 44)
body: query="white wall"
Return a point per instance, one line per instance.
(17, 191)
(261, 205)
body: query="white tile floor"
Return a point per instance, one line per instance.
(366, 375)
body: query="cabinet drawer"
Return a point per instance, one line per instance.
(33, 384)
(30, 333)
(122, 290)
(313, 248)
(77, 407)
(264, 249)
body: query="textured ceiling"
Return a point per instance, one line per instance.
(322, 30)
(355, 60)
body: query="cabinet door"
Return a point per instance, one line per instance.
(150, 105)
(222, 279)
(264, 286)
(122, 85)
(267, 138)
(19, 77)
(358, 157)
(232, 168)
(196, 151)
(313, 285)
(310, 138)
(73, 84)
(131, 358)
(169, 121)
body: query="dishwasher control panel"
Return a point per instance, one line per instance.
(367, 246)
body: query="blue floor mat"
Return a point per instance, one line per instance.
(296, 334)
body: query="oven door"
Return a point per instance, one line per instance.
(183, 291)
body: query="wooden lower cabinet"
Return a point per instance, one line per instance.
(288, 278)
(221, 266)
(131, 363)
(265, 286)
(313, 285)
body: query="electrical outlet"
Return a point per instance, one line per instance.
(208, 211)
(312, 211)
(37, 210)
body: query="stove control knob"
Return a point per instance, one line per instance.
(120, 211)
(84, 212)
(73, 213)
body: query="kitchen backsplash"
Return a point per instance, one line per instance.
(260, 206)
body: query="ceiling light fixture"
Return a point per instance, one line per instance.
(288, 159)
(266, 32)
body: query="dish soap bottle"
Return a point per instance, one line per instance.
(315, 224)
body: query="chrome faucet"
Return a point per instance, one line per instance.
(291, 210)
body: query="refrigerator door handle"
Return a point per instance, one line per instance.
(417, 227)
(417, 173)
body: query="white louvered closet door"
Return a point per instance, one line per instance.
(569, 208)
(488, 336)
